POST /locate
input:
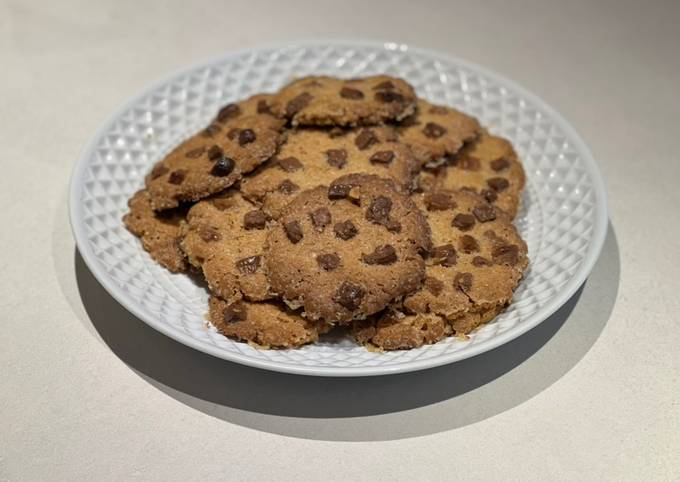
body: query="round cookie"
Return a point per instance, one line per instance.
(488, 166)
(436, 131)
(476, 262)
(265, 324)
(213, 159)
(224, 236)
(160, 233)
(328, 101)
(314, 157)
(346, 251)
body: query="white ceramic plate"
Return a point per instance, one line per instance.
(563, 218)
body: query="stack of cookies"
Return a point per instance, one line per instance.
(343, 203)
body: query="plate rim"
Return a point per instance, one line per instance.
(550, 306)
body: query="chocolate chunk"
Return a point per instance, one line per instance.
(439, 201)
(287, 187)
(433, 131)
(387, 96)
(215, 152)
(235, 312)
(489, 194)
(468, 244)
(211, 130)
(392, 225)
(289, 164)
(336, 157)
(223, 167)
(255, 219)
(328, 262)
(339, 191)
(433, 285)
(365, 139)
(385, 85)
(345, 230)
(438, 110)
(246, 136)
(498, 184)
(506, 254)
(484, 213)
(293, 231)
(298, 103)
(177, 177)
(463, 281)
(469, 163)
(500, 164)
(464, 222)
(158, 170)
(209, 233)
(352, 94)
(381, 255)
(249, 265)
(229, 111)
(195, 153)
(320, 218)
(349, 295)
(263, 107)
(479, 261)
(444, 255)
(382, 157)
(379, 210)
(233, 133)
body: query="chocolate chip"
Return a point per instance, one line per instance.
(506, 254)
(289, 164)
(246, 136)
(444, 255)
(328, 262)
(195, 153)
(208, 233)
(320, 218)
(387, 96)
(379, 210)
(433, 285)
(469, 163)
(215, 152)
(438, 201)
(223, 167)
(158, 170)
(468, 244)
(255, 219)
(489, 195)
(463, 281)
(382, 157)
(464, 222)
(479, 261)
(498, 184)
(336, 157)
(438, 110)
(352, 94)
(500, 164)
(349, 295)
(339, 191)
(235, 312)
(229, 111)
(211, 130)
(233, 133)
(249, 265)
(392, 225)
(293, 231)
(263, 107)
(381, 255)
(288, 187)
(385, 85)
(433, 130)
(345, 230)
(365, 139)
(484, 213)
(177, 177)
(298, 103)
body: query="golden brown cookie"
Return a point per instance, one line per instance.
(328, 101)
(346, 251)
(314, 157)
(224, 236)
(476, 262)
(436, 131)
(265, 324)
(159, 232)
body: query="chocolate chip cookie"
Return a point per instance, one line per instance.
(265, 324)
(224, 236)
(159, 232)
(476, 262)
(488, 166)
(328, 101)
(436, 131)
(345, 251)
(213, 159)
(313, 157)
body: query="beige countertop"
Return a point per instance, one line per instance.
(89, 392)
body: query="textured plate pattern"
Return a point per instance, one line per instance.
(563, 217)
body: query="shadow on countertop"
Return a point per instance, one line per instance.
(362, 409)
